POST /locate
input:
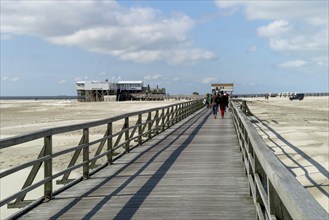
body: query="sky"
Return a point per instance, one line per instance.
(184, 46)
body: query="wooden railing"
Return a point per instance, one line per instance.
(137, 128)
(275, 191)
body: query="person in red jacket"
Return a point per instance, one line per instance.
(228, 98)
(223, 103)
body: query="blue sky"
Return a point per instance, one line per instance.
(184, 46)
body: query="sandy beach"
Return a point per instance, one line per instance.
(298, 134)
(296, 131)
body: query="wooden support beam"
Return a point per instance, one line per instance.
(48, 170)
(85, 153)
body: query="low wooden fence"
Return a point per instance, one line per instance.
(137, 128)
(275, 191)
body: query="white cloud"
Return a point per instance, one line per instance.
(80, 78)
(152, 77)
(317, 21)
(321, 61)
(139, 34)
(63, 81)
(4, 78)
(13, 79)
(296, 41)
(102, 73)
(316, 61)
(148, 77)
(227, 4)
(252, 49)
(275, 28)
(294, 26)
(189, 56)
(208, 80)
(275, 10)
(157, 76)
(293, 64)
(283, 36)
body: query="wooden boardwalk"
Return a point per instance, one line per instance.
(191, 171)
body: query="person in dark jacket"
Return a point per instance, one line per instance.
(214, 104)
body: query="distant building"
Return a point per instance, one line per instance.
(130, 86)
(91, 91)
(226, 87)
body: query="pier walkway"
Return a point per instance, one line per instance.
(193, 170)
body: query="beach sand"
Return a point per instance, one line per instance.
(298, 134)
(296, 131)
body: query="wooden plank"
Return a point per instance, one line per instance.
(190, 171)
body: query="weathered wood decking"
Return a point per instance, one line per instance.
(191, 171)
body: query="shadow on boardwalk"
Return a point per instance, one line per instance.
(191, 171)
(138, 198)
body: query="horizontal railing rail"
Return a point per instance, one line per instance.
(136, 127)
(275, 191)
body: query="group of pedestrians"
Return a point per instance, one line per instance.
(218, 99)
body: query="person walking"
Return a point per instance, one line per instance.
(209, 99)
(227, 101)
(223, 103)
(206, 101)
(214, 104)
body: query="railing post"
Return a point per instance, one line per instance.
(48, 187)
(188, 109)
(184, 110)
(172, 116)
(179, 109)
(277, 209)
(140, 129)
(149, 125)
(85, 153)
(263, 179)
(176, 114)
(244, 107)
(163, 120)
(157, 122)
(179, 113)
(167, 118)
(110, 143)
(127, 134)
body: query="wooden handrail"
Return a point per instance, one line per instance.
(154, 123)
(276, 192)
(7, 142)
